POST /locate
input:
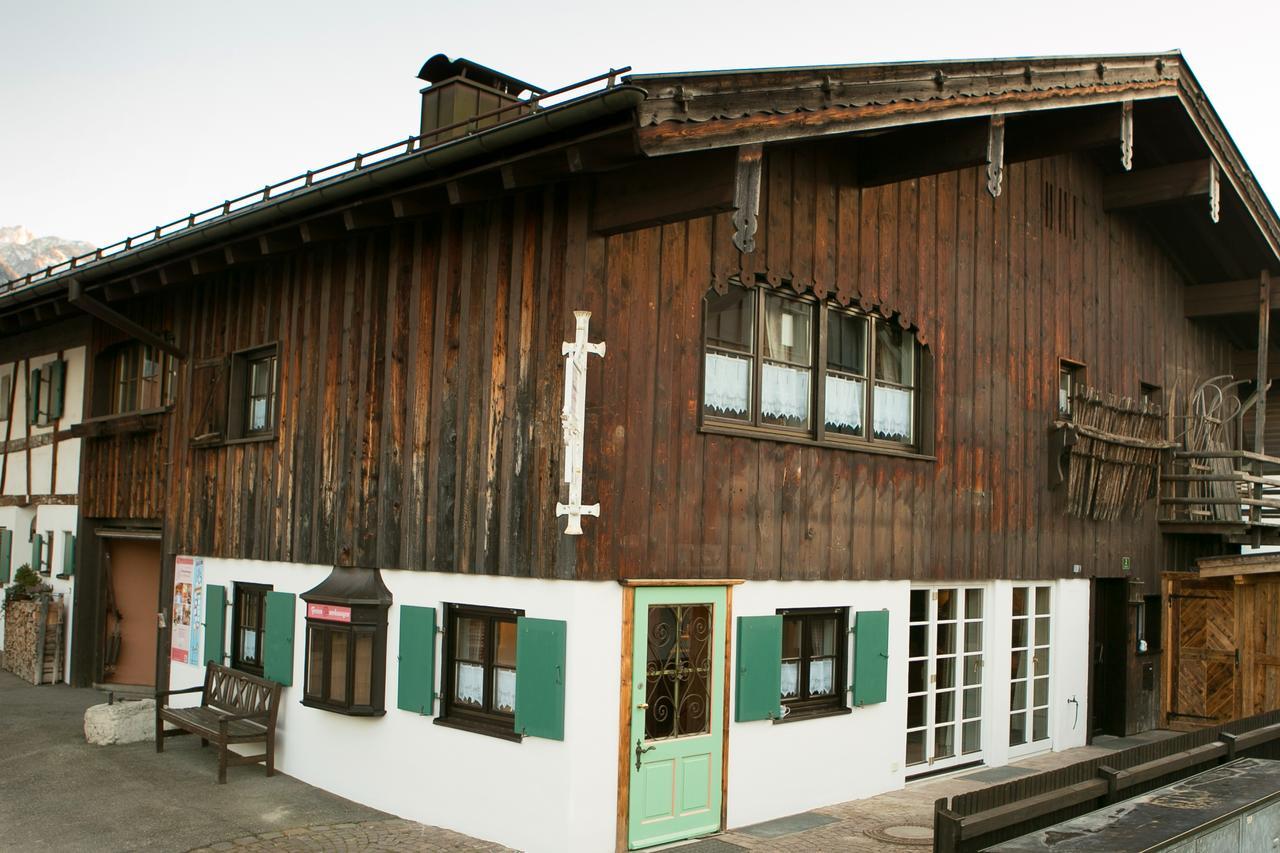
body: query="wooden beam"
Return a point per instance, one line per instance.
(746, 195)
(664, 189)
(285, 240)
(1225, 298)
(485, 186)
(1260, 408)
(419, 203)
(243, 252)
(77, 297)
(321, 229)
(374, 214)
(1160, 185)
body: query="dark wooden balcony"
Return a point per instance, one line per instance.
(1232, 493)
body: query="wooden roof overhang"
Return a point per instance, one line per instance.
(1238, 566)
(1175, 166)
(594, 132)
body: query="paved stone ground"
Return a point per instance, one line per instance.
(393, 834)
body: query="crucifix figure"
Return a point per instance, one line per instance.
(573, 420)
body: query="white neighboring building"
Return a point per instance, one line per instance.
(40, 462)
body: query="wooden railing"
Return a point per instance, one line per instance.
(1229, 487)
(997, 813)
(394, 150)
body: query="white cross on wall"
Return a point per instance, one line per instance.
(573, 421)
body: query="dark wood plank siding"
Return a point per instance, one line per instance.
(999, 288)
(421, 375)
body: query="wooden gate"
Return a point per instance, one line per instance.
(1203, 658)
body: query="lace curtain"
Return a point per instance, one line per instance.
(790, 679)
(844, 402)
(470, 686)
(821, 677)
(728, 383)
(504, 690)
(892, 413)
(784, 392)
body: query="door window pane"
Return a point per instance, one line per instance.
(915, 747)
(972, 737)
(678, 670)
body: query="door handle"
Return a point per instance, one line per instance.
(641, 750)
(643, 706)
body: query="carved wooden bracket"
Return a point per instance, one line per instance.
(1215, 191)
(995, 156)
(1126, 135)
(746, 196)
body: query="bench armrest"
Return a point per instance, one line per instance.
(160, 694)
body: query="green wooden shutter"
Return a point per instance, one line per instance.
(6, 554)
(33, 396)
(56, 371)
(758, 683)
(540, 659)
(417, 674)
(277, 641)
(215, 623)
(870, 657)
(37, 553)
(68, 554)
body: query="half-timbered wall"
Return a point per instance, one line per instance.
(420, 387)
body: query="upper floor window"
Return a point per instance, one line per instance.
(790, 365)
(254, 380)
(1070, 380)
(142, 378)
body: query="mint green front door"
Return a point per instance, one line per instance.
(677, 714)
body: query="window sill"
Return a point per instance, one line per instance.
(799, 716)
(749, 432)
(121, 423)
(468, 725)
(219, 441)
(346, 712)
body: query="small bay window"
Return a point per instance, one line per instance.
(761, 369)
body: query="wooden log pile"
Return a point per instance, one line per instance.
(1115, 462)
(33, 646)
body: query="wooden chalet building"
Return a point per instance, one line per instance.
(865, 469)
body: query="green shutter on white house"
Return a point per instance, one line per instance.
(540, 661)
(870, 657)
(33, 396)
(277, 640)
(6, 554)
(215, 623)
(758, 680)
(37, 552)
(416, 678)
(68, 554)
(56, 375)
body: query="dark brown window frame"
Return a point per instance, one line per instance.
(817, 433)
(377, 673)
(806, 707)
(1078, 373)
(240, 398)
(244, 590)
(136, 353)
(485, 720)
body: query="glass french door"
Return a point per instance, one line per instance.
(944, 678)
(1029, 669)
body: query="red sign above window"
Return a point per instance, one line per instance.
(329, 612)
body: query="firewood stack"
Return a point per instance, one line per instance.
(1115, 462)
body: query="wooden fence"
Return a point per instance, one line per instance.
(981, 818)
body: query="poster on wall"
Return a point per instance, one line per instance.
(188, 610)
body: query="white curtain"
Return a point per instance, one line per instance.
(728, 383)
(893, 412)
(784, 392)
(790, 679)
(821, 682)
(470, 687)
(844, 402)
(504, 690)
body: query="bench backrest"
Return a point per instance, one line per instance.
(233, 692)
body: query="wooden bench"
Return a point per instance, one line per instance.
(235, 707)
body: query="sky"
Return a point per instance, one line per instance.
(116, 115)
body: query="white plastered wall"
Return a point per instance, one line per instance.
(778, 769)
(553, 795)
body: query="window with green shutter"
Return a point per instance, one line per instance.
(417, 660)
(540, 677)
(757, 694)
(870, 657)
(38, 561)
(55, 374)
(6, 554)
(215, 622)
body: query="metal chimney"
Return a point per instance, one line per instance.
(460, 90)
